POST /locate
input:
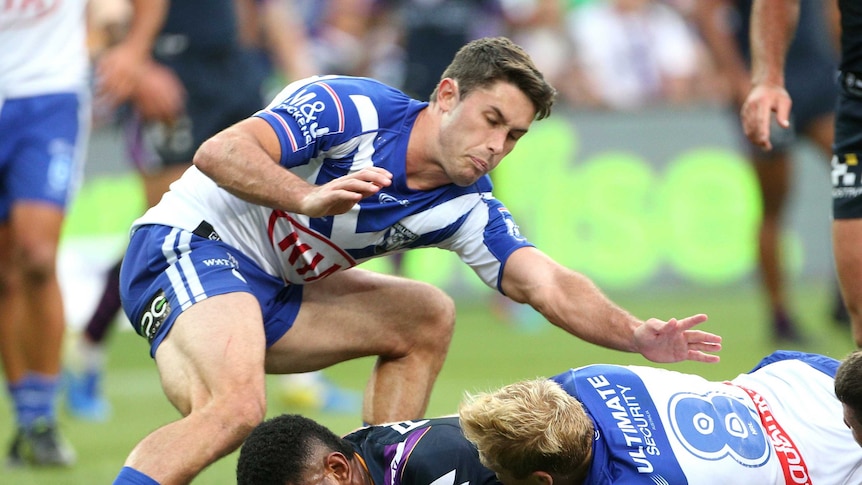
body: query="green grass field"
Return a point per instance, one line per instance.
(485, 353)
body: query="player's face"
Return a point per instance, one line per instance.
(852, 422)
(479, 129)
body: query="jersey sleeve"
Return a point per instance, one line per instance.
(309, 116)
(487, 239)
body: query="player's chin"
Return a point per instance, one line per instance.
(467, 179)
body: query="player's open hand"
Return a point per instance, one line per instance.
(340, 195)
(757, 111)
(675, 341)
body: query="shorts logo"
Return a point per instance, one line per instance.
(155, 314)
(845, 176)
(840, 173)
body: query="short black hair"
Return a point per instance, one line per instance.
(848, 382)
(278, 450)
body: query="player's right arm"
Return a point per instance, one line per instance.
(773, 25)
(243, 160)
(122, 66)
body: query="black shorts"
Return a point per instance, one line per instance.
(221, 90)
(846, 170)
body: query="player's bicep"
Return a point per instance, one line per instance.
(262, 134)
(528, 272)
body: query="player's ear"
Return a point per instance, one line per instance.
(541, 478)
(338, 466)
(447, 93)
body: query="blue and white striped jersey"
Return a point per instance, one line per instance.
(329, 127)
(779, 424)
(421, 452)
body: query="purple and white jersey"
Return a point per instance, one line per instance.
(779, 424)
(329, 127)
(422, 452)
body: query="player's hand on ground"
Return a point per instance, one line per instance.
(675, 341)
(341, 194)
(758, 109)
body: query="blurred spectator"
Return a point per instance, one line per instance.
(432, 31)
(633, 53)
(539, 27)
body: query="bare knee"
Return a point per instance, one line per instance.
(37, 261)
(237, 415)
(435, 312)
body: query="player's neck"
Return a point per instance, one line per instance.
(421, 168)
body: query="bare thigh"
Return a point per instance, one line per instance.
(214, 350)
(358, 313)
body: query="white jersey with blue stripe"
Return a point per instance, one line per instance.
(780, 424)
(329, 127)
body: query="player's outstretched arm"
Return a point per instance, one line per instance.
(572, 302)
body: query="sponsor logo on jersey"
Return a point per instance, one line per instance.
(155, 314)
(397, 237)
(512, 228)
(631, 425)
(306, 255)
(307, 106)
(792, 464)
(384, 198)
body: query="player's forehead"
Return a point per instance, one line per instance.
(503, 99)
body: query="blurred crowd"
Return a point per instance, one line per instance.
(599, 54)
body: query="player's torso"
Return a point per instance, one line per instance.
(658, 426)
(420, 453)
(300, 249)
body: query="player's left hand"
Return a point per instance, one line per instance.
(674, 341)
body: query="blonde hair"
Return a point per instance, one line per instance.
(529, 426)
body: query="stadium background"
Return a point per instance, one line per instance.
(658, 207)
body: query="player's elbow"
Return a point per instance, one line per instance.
(207, 156)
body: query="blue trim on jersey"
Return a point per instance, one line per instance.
(631, 445)
(499, 233)
(824, 364)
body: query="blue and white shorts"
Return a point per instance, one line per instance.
(166, 270)
(42, 144)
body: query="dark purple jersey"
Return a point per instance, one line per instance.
(423, 452)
